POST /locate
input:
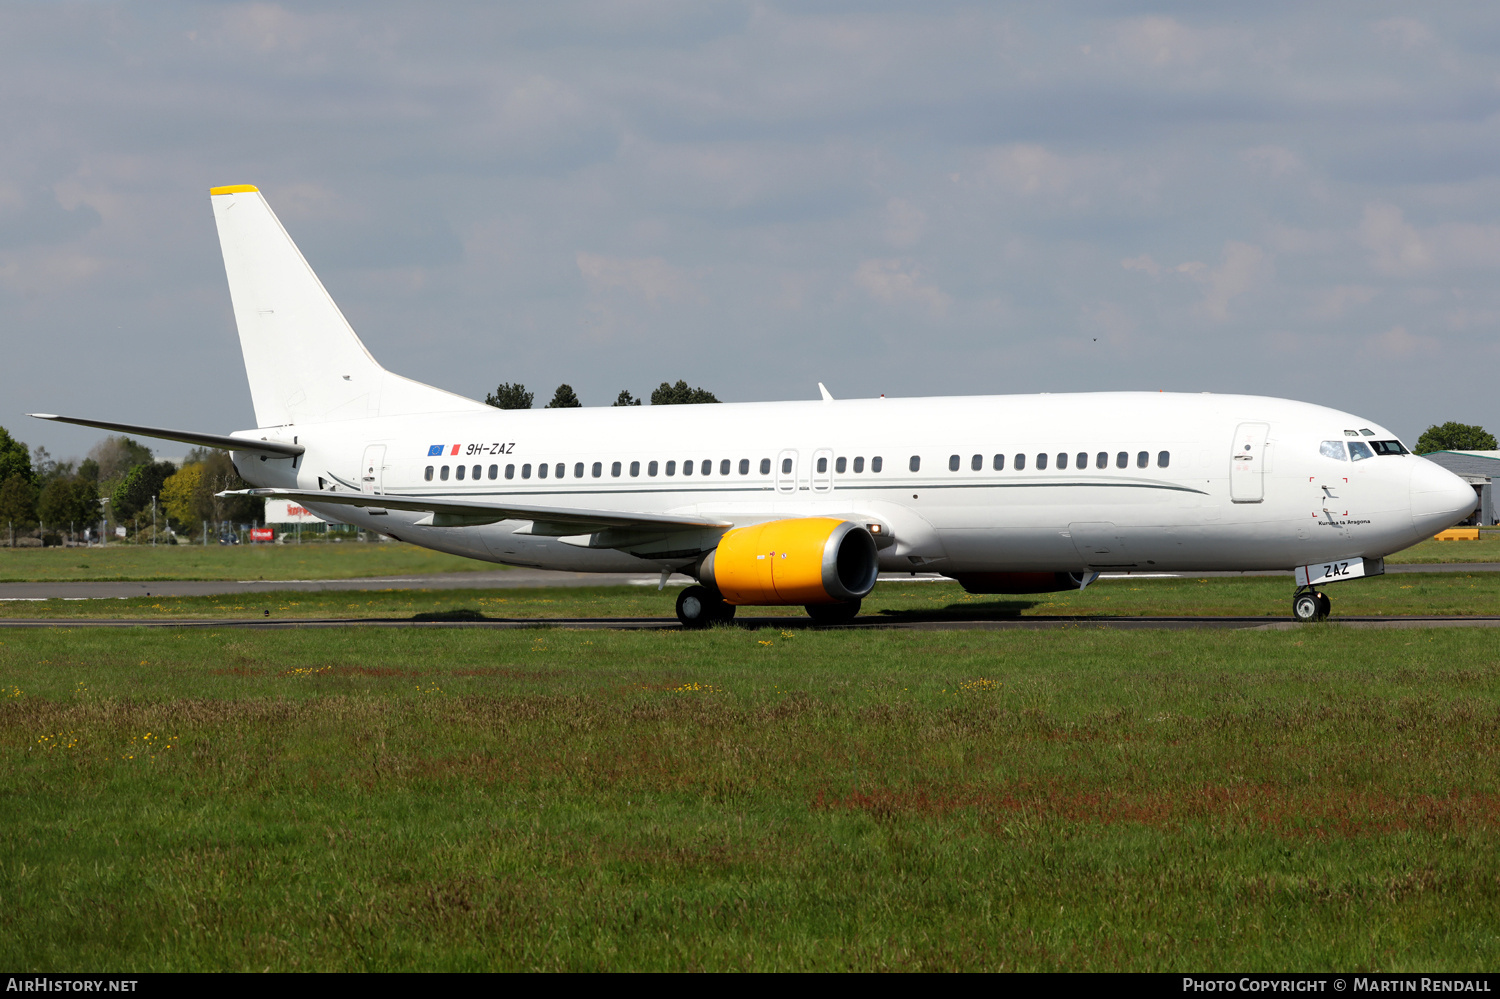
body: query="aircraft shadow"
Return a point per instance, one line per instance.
(988, 610)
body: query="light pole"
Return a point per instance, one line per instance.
(104, 521)
(153, 522)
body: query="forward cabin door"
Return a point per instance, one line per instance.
(372, 470)
(1247, 463)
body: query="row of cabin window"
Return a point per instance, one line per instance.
(705, 467)
(1080, 461)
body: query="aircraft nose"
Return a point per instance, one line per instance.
(1439, 499)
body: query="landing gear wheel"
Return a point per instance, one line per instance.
(1310, 606)
(833, 613)
(700, 607)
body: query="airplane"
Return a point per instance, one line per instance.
(806, 503)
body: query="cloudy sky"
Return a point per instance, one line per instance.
(1286, 199)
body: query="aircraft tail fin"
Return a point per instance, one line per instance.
(304, 362)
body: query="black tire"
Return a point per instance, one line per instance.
(841, 613)
(1307, 607)
(1325, 606)
(700, 607)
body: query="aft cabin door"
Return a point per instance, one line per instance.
(786, 471)
(822, 470)
(372, 471)
(1247, 463)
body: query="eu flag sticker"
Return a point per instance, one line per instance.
(434, 450)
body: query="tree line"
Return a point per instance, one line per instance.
(515, 396)
(47, 498)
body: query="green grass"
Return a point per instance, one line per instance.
(323, 560)
(1487, 549)
(1082, 799)
(1462, 594)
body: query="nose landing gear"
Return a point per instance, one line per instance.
(700, 607)
(1311, 605)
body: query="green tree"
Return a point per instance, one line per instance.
(68, 500)
(1455, 437)
(15, 458)
(509, 396)
(217, 474)
(116, 456)
(17, 504)
(88, 470)
(680, 395)
(141, 483)
(625, 399)
(564, 398)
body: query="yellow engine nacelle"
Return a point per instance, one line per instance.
(809, 560)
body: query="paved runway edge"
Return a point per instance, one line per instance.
(872, 623)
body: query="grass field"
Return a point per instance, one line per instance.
(1455, 593)
(348, 560)
(1486, 549)
(1081, 799)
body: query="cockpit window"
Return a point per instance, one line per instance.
(1359, 451)
(1388, 447)
(1334, 450)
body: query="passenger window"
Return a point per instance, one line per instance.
(876, 462)
(542, 470)
(526, 471)
(1122, 460)
(1101, 460)
(822, 465)
(744, 466)
(578, 470)
(999, 462)
(560, 469)
(976, 463)
(1041, 462)
(859, 464)
(428, 474)
(635, 469)
(841, 465)
(952, 463)
(1081, 461)
(1020, 463)
(651, 468)
(614, 470)
(598, 469)
(786, 466)
(494, 471)
(687, 468)
(723, 467)
(1142, 459)
(510, 471)
(1163, 459)
(671, 468)
(1358, 451)
(459, 473)
(1333, 449)
(443, 473)
(475, 473)
(915, 464)
(765, 466)
(1062, 460)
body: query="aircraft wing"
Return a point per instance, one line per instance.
(546, 520)
(269, 448)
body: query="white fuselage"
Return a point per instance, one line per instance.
(1210, 482)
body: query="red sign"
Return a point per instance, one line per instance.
(262, 534)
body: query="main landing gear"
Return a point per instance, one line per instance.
(700, 607)
(1311, 605)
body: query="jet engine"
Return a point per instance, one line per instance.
(807, 560)
(1024, 582)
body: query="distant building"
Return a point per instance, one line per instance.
(280, 511)
(1478, 469)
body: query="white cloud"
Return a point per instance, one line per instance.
(1160, 41)
(1397, 342)
(1400, 249)
(1405, 32)
(1244, 265)
(1276, 161)
(896, 282)
(904, 223)
(651, 278)
(1142, 263)
(1331, 303)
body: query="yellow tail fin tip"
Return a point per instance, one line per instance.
(233, 189)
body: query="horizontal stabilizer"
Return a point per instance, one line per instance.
(448, 513)
(270, 448)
